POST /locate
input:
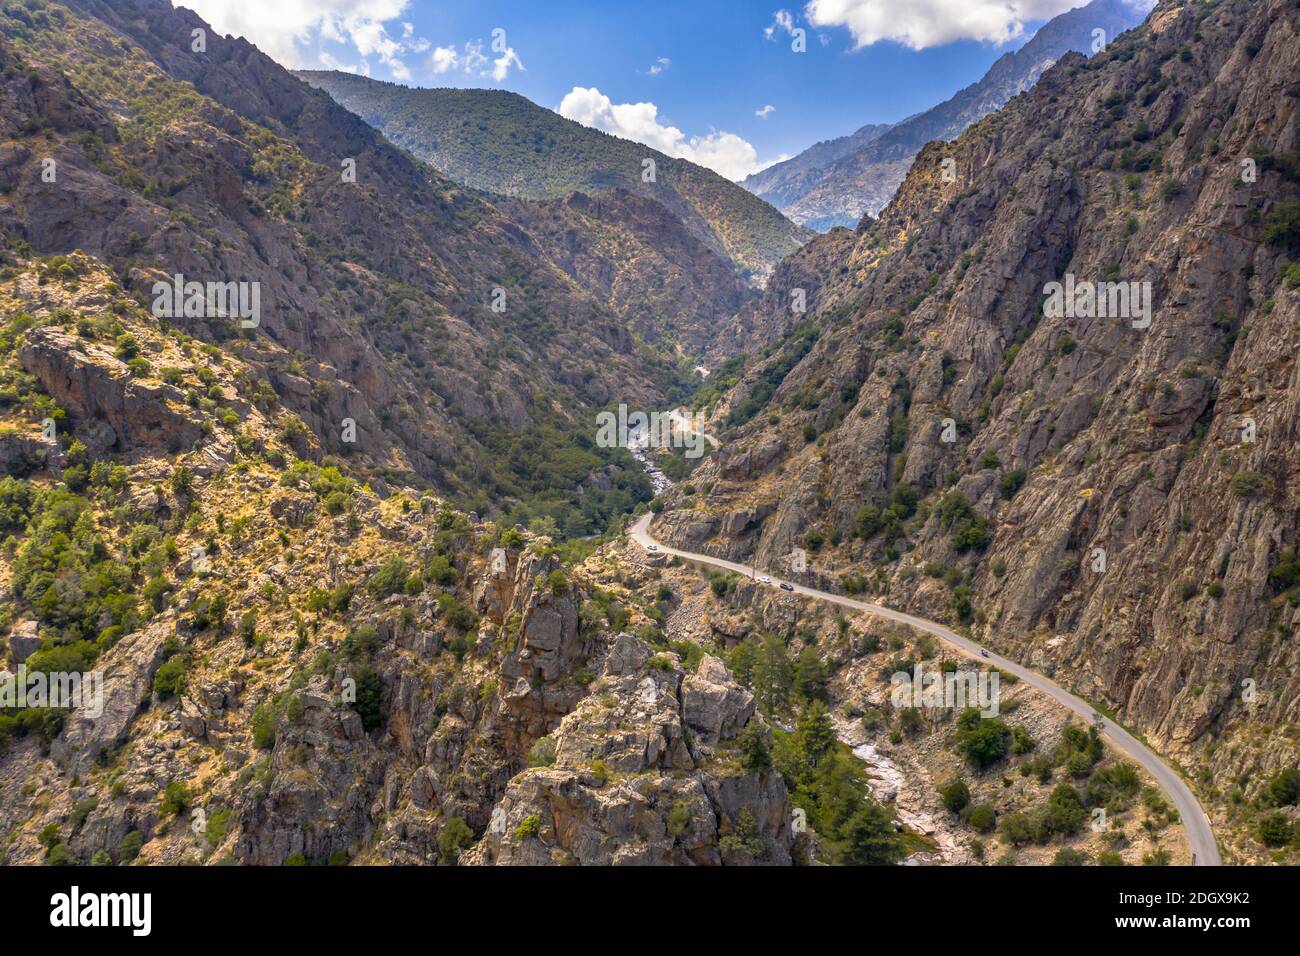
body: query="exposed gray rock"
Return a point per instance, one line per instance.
(713, 704)
(24, 640)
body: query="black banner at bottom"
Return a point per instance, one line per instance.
(137, 907)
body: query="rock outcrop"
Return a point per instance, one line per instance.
(625, 787)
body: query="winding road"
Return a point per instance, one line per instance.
(1200, 837)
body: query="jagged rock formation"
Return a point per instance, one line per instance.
(635, 778)
(783, 183)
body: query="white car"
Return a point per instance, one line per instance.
(652, 547)
(764, 579)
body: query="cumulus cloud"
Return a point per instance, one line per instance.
(289, 31)
(765, 112)
(724, 153)
(443, 59)
(294, 32)
(919, 24)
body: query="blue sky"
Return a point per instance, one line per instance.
(690, 77)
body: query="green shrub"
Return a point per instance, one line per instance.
(1250, 484)
(1284, 789)
(454, 837)
(542, 752)
(982, 741)
(679, 819)
(389, 579)
(176, 799)
(982, 818)
(169, 680)
(955, 795)
(369, 692)
(130, 846)
(1274, 830)
(263, 725)
(528, 827)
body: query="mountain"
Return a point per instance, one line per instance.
(502, 143)
(1113, 501)
(832, 190)
(783, 183)
(308, 653)
(381, 296)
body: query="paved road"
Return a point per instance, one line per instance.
(1199, 834)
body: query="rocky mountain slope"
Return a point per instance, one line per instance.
(641, 262)
(502, 143)
(783, 183)
(843, 189)
(1110, 501)
(430, 318)
(297, 670)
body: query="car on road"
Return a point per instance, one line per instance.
(983, 653)
(652, 547)
(786, 587)
(764, 579)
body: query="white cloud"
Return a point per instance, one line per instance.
(293, 31)
(724, 153)
(765, 112)
(472, 61)
(443, 59)
(781, 20)
(501, 65)
(925, 23)
(659, 66)
(289, 31)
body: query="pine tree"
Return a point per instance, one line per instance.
(773, 676)
(754, 755)
(810, 675)
(816, 733)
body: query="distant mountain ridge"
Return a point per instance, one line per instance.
(863, 181)
(784, 182)
(503, 143)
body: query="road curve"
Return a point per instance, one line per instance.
(1200, 837)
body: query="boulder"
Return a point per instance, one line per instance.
(714, 706)
(24, 640)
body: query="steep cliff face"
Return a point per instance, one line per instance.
(1109, 499)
